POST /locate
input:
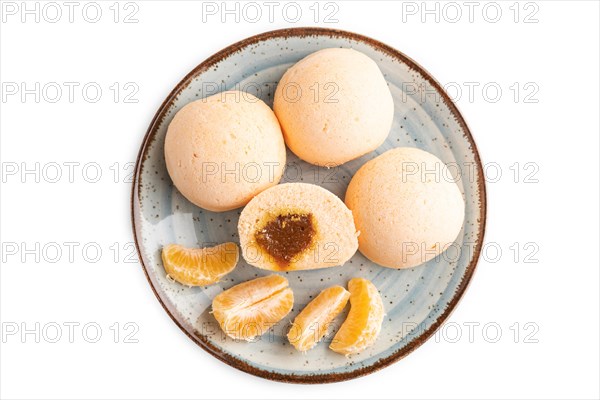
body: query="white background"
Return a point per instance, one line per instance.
(558, 295)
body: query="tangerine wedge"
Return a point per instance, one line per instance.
(199, 267)
(311, 324)
(249, 309)
(363, 324)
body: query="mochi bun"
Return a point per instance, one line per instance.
(406, 206)
(296, 226)
(225, 149)
(334, 106)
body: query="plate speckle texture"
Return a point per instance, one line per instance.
(416, 300)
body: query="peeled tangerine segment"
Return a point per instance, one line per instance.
(311, 324)
(363, 324)
(249, 309)
(200, 267)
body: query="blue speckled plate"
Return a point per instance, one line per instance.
(416, 300)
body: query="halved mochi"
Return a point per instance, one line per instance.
(296, 226)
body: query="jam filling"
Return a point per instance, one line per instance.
(286, 236)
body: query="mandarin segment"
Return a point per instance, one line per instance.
(311, 324)
(249, 309)
(199, 267)
(363, 324)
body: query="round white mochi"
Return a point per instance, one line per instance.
(223, 150)
(406, 206)
(334, 106)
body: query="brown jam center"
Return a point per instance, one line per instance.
(286, 236)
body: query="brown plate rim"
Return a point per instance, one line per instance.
(201, 340)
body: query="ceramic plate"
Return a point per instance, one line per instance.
(416, 300)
